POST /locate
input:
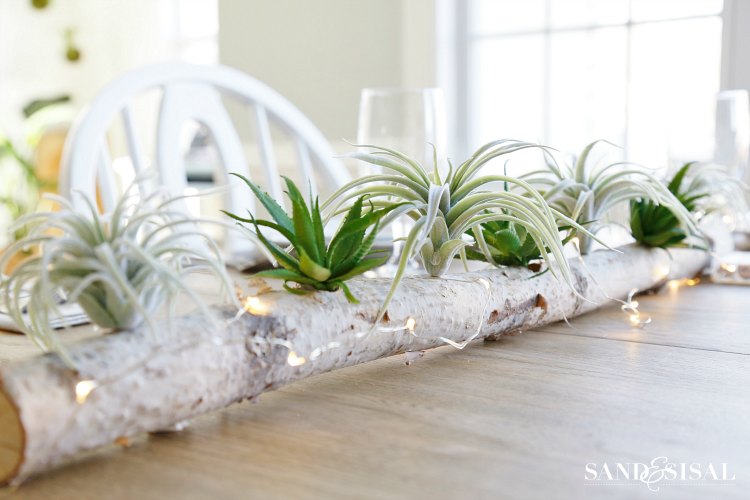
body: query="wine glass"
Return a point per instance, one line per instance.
(733, 132)
(411, 121)
(732, 144)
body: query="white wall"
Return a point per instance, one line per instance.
(113, 35)
(320, 54)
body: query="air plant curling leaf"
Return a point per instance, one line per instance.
(120, 268)
(585, 192)
(446, 208)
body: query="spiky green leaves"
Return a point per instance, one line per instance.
(313, 264)
(655, 225)
(508, 243)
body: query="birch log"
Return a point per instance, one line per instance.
(143, 382)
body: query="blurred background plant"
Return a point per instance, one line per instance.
(29, 164)
(19, 191)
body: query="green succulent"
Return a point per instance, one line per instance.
(507, 243)
(315, 265)
(655, 225)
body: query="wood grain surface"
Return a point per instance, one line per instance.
(515, 418)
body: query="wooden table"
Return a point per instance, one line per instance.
(516, 418)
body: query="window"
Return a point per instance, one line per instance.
(191, 29)
(642, 74)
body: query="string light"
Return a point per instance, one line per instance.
(83, 389)
(661, 272)
(295, 360)
(320, 350)
(255, 306)
(410, 324)
(630, 307)
(674, 285)
(461, 345)
(730, 268)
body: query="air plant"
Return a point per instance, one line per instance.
(697, 186)
(316, 265)
(120, 268)
(586, 192)
(23, 186)
(444, 208)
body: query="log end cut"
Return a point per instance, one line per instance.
(12, 438)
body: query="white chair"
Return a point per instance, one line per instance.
(192, 93)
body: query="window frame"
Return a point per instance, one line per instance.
(455, 41)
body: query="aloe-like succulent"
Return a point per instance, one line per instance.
(655, 225)
(701, 188)
(444, 208)
(586, 193)
(509, 244)
(316, 265)
(120, 267)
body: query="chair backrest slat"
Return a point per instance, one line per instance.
(137, 156)
(303, 156)
(266, 152)
(108, 192)
(192, 93)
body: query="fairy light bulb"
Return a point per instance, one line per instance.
(730, 268)
(630, 307)
(255, 306)
(83, 389)
(661, 272)
(294, 360)
(410, 324)
(674, 285)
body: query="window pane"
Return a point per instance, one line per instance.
(503, 16)
(588, 86)
(198, 18)
(200, 52)
(572, 13)
(674, 80)
(651, 10)
(507, 89)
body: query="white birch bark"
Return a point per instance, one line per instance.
(148, 384)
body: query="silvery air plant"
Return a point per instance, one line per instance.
(586, 192)
(119, 267)
(445, 208)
